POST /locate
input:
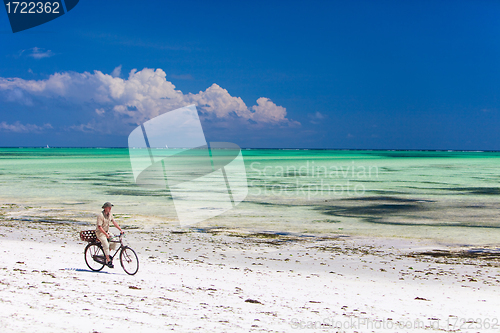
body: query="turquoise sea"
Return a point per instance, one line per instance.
(449, 197)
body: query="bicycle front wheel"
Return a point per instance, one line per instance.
(92, 252)
(129, 260)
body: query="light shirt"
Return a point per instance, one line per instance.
(104, 222)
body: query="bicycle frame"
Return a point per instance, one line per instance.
(97, 242)
(119, 248)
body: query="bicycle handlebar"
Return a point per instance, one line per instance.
(113, 237)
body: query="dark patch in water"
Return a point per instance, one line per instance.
(370, 210)
(476, 190)
(110, 174)
(274, 204)
(379, 220)
(433, 183)
(382, 192)
(410, 212)
(388, 199)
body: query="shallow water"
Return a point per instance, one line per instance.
(446, 196)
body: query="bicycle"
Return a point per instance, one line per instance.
(96, 260)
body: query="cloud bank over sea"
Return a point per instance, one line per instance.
(143, 95)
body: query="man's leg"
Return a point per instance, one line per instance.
(105, 246)
(112, 245)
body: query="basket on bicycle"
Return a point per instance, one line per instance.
(88, 235)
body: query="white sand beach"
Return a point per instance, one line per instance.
(220, 280)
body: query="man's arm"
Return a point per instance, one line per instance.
(117, 226)
(104, 232)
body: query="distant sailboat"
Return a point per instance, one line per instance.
(47, 146)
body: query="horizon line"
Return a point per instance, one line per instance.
(274, 148)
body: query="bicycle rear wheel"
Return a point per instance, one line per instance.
(129, 260)
(94, 251)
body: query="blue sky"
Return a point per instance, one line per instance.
(289, 74)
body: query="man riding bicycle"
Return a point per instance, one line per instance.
(102, 231)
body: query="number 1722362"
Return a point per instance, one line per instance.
(32, 7)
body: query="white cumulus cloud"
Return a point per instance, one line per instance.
(143, 95)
